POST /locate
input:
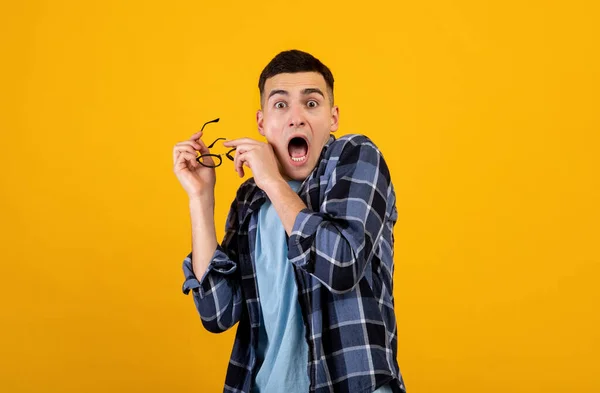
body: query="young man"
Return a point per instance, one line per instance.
(306, 264)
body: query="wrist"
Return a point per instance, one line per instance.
(207, 198)
(275, 186)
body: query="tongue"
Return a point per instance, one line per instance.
(297, 150)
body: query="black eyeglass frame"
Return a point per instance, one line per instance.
(212, 155)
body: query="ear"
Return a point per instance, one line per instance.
(335, 118)
(259, 122)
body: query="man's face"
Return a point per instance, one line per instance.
(296, 119)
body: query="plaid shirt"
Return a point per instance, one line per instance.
(341, 247)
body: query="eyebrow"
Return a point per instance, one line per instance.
(305, 92)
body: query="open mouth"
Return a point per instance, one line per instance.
(298, 149)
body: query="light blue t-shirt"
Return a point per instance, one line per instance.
(282, 347)
(282, 353)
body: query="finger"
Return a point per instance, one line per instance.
(181, 147)
(192, 155)
(241, 149)
(192, 147)
(203, 148)
(240, 141)
(189, 157)
(240, 160)
(186, 160)
(179, 164)
(239, 152)
(196, 136)
(195, 144)
(176, 153)
(187, 145)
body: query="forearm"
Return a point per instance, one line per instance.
(286, 202)
(204, 238)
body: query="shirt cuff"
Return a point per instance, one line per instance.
(302, 238)
(220, 263)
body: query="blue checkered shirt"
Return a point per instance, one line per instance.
(342, 249)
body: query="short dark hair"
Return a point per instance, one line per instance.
(292, 61)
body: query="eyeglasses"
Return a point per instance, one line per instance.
(217, 160)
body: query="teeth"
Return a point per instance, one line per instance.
(299, 159)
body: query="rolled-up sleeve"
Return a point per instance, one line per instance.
(336, 243)
(217, 295)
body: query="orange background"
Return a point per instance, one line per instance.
(487, 113)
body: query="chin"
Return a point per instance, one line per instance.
(299, 173)
(289, 172)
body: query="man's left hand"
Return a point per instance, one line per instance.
(259, 157)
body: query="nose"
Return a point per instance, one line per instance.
(297, 118)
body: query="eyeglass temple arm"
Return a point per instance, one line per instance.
(212, 121)
(228, 154)
(212, 144)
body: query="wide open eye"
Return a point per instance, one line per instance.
(312, 104)
(280, 105)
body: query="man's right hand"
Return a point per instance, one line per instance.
(196, 179)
